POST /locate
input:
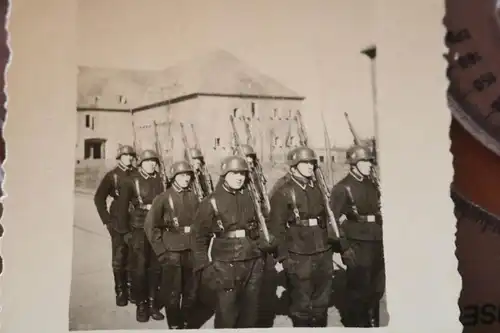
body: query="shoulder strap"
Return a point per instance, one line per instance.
(213, 203)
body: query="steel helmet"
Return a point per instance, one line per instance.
(233, 163)
(148, 154)
(195, 153)
(122, 150)
(248, 150)
(359, 153)
(180, 167)
(301, 154)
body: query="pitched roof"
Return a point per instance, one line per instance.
(217, 72)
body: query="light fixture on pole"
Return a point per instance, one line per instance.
(371, 52)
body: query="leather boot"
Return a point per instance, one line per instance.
(375, 317)
(300, 322)
(174, 319)
(120, 289)
(154, 312)
(321, 321)
(130, 293)
(142, 313)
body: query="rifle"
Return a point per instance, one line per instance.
(204, 169)
(319, 178)
(258, 167)
(163, 173)
(357, 141)
(196, 180)
(254, 194)
(250, 139)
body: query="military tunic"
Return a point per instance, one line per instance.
(355, 204)
(299, 222)
(168, 227)
(139, 191)
(109, 187)
(237, 259)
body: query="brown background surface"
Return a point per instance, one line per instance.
(423, 283)
(478, 252)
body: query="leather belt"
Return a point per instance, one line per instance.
(240, 233)
(184, 230)
(367, 218)
(360, 218)
(313, 222)
(145, 207)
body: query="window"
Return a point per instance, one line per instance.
(87, 121)
(333, 159)
(217, 142)
(252, 110)
(235, 112)
(122, 99)
(321, 158)
(93, 123)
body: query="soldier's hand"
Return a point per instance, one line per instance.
(108, 227)
(349, 257)
(279, 267)
(127, 238)
(162, 259)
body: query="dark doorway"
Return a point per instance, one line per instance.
(94, 149)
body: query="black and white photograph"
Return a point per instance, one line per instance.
(226, 166)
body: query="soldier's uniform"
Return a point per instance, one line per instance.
(109, 187)
(168, 228)
(299, 221)
(138, 192)
(355, 203)
(205, 180)
(237, 250)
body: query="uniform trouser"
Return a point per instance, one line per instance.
(146, 271)
(365, 283)
(237, 288)
(309, 279)
(119, 259)
(178, 290)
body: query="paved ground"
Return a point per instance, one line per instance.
(92, 304)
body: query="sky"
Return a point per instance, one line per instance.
(313, 47)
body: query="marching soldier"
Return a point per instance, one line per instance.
(168, 228)
(237, 256)
(198, 165)
(355, 203)
(109, 187)
(299, 221)
(139, 191)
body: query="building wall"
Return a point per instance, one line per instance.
(114, 127)
(210, 116)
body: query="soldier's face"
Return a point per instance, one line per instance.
(196, 163)
(364, 167)
(235, 180)
(149, 166)
(306, 169)
(126, 159)
(182, 179)
(250, 161)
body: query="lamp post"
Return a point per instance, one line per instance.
(371, 52)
